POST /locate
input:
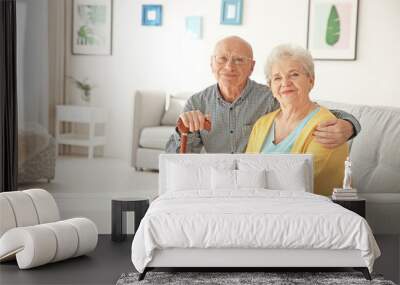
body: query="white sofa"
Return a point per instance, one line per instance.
(152, 127)
(32, 233)
(375, 153)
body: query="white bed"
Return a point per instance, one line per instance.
(215, 210)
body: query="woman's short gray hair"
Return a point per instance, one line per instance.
(291, 51)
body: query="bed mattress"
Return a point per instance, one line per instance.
(250, 219)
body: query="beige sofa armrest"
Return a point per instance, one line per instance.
(148, 109)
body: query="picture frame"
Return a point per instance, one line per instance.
(92, 27)
(151, 15)
(194, 27)
(332, 29)
(231, 12)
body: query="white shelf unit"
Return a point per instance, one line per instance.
(80, 114)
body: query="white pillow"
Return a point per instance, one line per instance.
(251, 178)
(174, 109)
(186, 175)
(280, 175)
(293, 179)
(224, 179)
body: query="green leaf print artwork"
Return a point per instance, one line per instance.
(333, 27)
(85, 36)
(92, 18)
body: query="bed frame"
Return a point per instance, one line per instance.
(245, 259)
(240, 259)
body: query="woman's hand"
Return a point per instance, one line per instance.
(333, 133)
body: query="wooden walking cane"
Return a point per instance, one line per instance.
(183, 130)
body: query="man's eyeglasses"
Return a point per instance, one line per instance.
(236, 60)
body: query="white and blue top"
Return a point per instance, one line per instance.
(285, 146)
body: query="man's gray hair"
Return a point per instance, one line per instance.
(290, 51)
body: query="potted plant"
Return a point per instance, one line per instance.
(83, 85)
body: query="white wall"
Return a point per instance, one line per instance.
(163, 58)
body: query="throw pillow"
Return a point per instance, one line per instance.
(187, 177)
(225, 179)
(175, 108)
(280, 174)
(292, 179)
(251, 178)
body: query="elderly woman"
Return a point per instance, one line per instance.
(290, 75)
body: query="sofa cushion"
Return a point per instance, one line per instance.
(174, 109)
(155, 137)
(375, 149)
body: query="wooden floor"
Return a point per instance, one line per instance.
(103, 266)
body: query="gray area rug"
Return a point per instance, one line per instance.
(269, 278)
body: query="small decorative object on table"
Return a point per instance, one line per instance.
(85, 86)
(347, 196)
(347, 174)
(347, 192)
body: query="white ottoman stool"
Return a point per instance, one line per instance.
(31, 232)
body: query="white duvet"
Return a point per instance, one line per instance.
(250, 219)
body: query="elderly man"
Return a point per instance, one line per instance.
(235, 103)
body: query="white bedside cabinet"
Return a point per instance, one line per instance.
(80, 114)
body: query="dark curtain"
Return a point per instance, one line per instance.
(8, 97)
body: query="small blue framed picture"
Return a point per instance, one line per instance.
(231, 12)
(194, 26)
(151, 15)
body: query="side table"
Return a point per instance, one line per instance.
(356, 205)
(80, 114)
(119, 207)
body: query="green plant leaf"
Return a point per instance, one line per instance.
(333, 27)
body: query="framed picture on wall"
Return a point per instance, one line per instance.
(231, 12)
(92, 27)
(332, 29)
(151, 15)
(194, 27)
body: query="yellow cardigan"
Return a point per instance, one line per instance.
(328, 163)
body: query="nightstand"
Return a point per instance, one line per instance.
(119, 207)
(356, 205)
